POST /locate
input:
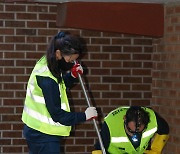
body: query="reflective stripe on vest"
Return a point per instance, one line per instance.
(39, 99)
(125, 139)
(35, 113)
(38, 116)
(119, 139)
(149, 132)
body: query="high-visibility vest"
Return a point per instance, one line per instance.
(119, 141)
(35, 114)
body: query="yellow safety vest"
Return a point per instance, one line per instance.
(35, 114)
(119, 142)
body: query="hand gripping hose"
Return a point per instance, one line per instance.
(94, 121)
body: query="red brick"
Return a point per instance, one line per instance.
(111, 94)
(14, 70)
(36, 39)
(7, 47)
(86, 33)
(122, 71)
(5, 126)
(99, 87)
(122, 41)
(141, 57)
(141, 102)
(48, 32)
(100, 71)
(7, 15)
(41, 48)
(15, 8)
(26, 31)
(132, 64)
(20, 94)
(5, 142)
(100, 40)
(148, 49)
(22, 79)
(14, 23)
(8, 31)
(141, 72)
(34, 55)
(132, 49)
(75, 149)
(112, 48)
(6, 78)
(120, 56)
(6, 110)
(14, 55)
(100, 56)
(93, 48)
(112, 64)
(53, 8)
(83, 141)
(37, 24)
(120, 102)
(142, 41)
(37, 8)
(123, 87)
(112, 79)
(132, 80)
(13, 86)
(25, 63)
(14, 39)
(132, 94)
(27, 16)
(177, 9)
(12, 149)
(10, 118)
(19, 142)
(47, 17)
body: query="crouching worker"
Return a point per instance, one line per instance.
(133, 130)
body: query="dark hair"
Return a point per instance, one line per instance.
(138, 115)
(65, 42)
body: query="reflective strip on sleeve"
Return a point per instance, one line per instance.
(40, 117)
(149, 132)
(119, 139)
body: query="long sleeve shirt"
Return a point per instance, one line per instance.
(51, 95)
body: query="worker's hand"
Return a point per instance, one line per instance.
(77, 68)
(91, 113)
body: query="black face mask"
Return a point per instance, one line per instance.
(63, 65)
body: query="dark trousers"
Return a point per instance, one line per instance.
(52, 147)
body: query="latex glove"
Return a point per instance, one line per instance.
(151, 152)
(77, 68)
(91, 113)
(157, 144)
(97, 152)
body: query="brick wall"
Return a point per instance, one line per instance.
(117, 72)
(166, 83)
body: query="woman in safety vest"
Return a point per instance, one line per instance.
(46, 112)
(129, 130)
